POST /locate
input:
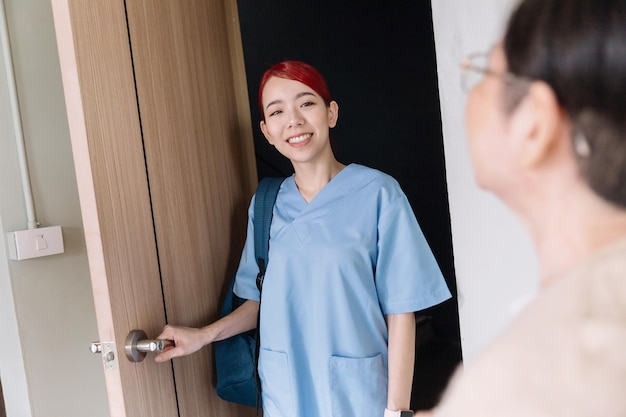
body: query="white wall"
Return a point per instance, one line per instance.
(47, 317)
(494, 260)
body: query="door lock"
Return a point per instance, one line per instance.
(107, 349)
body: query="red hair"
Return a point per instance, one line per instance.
(297, 71)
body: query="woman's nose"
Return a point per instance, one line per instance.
(295, 119)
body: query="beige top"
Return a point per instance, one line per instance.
(563, 355)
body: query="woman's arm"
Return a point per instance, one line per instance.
(401, 360)
(189, 340)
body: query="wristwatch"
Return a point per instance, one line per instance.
(398, 413)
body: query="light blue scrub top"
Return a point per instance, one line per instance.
(337, 266)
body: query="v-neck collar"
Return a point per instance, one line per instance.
(305, 217)
(324, 202)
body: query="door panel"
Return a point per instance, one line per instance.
(112, 181)
(201, 171)
(163, 228)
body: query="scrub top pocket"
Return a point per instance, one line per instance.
(274, 372)
(358, 386)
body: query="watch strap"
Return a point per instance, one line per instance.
(398, 413)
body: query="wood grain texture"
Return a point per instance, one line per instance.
(112, 182)
(162, 141)
(200, 161)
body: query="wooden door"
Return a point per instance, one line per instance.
(160, 128)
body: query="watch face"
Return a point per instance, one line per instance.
(406, 414)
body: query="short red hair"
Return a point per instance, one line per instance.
(297, 71)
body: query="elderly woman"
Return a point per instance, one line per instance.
(547, 134)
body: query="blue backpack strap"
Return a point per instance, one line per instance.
(264, 201)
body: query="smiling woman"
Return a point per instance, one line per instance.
(297, 121)
(380, 65)
(349, 268)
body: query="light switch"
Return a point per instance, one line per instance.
(33, 243)
(41, 242)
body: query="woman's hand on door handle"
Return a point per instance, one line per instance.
(187, 340)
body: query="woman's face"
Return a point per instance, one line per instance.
(297, 121)
(489, 128)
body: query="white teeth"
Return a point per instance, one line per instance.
(299, 139)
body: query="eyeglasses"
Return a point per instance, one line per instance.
(475, 66)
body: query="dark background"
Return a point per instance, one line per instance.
(379, 61)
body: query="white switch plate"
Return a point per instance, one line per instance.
(33, 243)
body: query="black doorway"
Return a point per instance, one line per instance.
(379, 61)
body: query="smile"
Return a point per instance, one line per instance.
(299, 139)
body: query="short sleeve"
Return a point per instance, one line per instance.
(245, 279)
(408, 277)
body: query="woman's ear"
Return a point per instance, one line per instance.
(333, 113)
(265, 132)
(539, 121)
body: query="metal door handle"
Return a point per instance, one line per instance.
(137, 344)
